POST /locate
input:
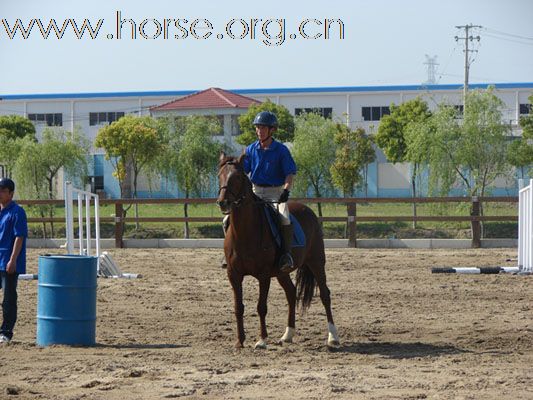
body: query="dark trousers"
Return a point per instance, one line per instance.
(9, 304)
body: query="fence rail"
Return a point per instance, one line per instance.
(475, 217)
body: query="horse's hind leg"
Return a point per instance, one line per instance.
(264, 286)
(290, 291)
(320, 275)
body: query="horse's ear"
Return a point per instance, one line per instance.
(241, 158)
(222, 157)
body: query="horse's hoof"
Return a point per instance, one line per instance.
(287, 336)
(334, 344)
(239, 345)
(261, 345)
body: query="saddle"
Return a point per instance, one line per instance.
(272, 216)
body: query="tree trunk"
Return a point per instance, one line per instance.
(475, 225)
(319, 205)
(41, 212)
(137, 225)
(413, 190)
(51, 207)
(347, 226)
(365, 178)
(186, 215)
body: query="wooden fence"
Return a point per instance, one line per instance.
(351, 218)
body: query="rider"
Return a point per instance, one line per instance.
(271, 169)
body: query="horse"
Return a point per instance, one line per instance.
(250, 249)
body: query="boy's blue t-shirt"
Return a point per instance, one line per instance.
(13, 223)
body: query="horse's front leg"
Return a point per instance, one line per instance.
(236, 284)
(264, 286)
(290, 292)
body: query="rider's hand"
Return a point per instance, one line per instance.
(284, 197)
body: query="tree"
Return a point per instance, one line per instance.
(39, 163)
(314, 153)
(353, 154)
(9, 152)
(16, 127)
(12, 128)
(520, 154)
(131, 142)
(191, 157)
(366, 155)
(285, 132)
(391, 136)
(471, 152)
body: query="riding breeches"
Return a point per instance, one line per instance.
(272, 194)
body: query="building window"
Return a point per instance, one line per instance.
(99, 118)
(459, 109)
(526, 109)
(325, 112)
(96, 182)
(374, 113)
(55, 119)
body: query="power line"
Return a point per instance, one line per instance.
(508, 40)
(494, 31)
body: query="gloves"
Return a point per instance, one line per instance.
(284, 197)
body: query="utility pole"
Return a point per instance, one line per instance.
(467, 38)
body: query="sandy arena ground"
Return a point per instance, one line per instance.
(406, 334)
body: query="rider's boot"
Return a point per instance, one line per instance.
(285, 262)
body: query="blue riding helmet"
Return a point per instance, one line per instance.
(266, 118)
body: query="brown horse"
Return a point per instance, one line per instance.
(251, 250)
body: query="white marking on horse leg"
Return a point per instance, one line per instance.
(333, 336)
(288, 335)
(261, 344)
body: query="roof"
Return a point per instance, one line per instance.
(209, 98)
(266, 91)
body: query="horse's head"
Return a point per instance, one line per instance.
(233, 182)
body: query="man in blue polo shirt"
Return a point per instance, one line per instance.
(271, 169)
(13, 233)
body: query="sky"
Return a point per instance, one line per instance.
(193, 45)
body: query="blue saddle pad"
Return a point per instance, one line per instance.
(298, 237)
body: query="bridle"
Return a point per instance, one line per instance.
(238, 200)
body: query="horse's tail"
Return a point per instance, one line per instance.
(305, 287)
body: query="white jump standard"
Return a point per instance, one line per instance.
(525, 228)
(525, 240)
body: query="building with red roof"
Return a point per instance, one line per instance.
(225, 105)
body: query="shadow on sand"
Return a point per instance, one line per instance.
(400, 350)
(142, 346)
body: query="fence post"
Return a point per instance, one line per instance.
(119, 225)
(352, 227)
(476, 225)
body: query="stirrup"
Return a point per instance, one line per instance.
(286, 263)
(223, 262)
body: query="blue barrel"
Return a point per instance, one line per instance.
(66, 300)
